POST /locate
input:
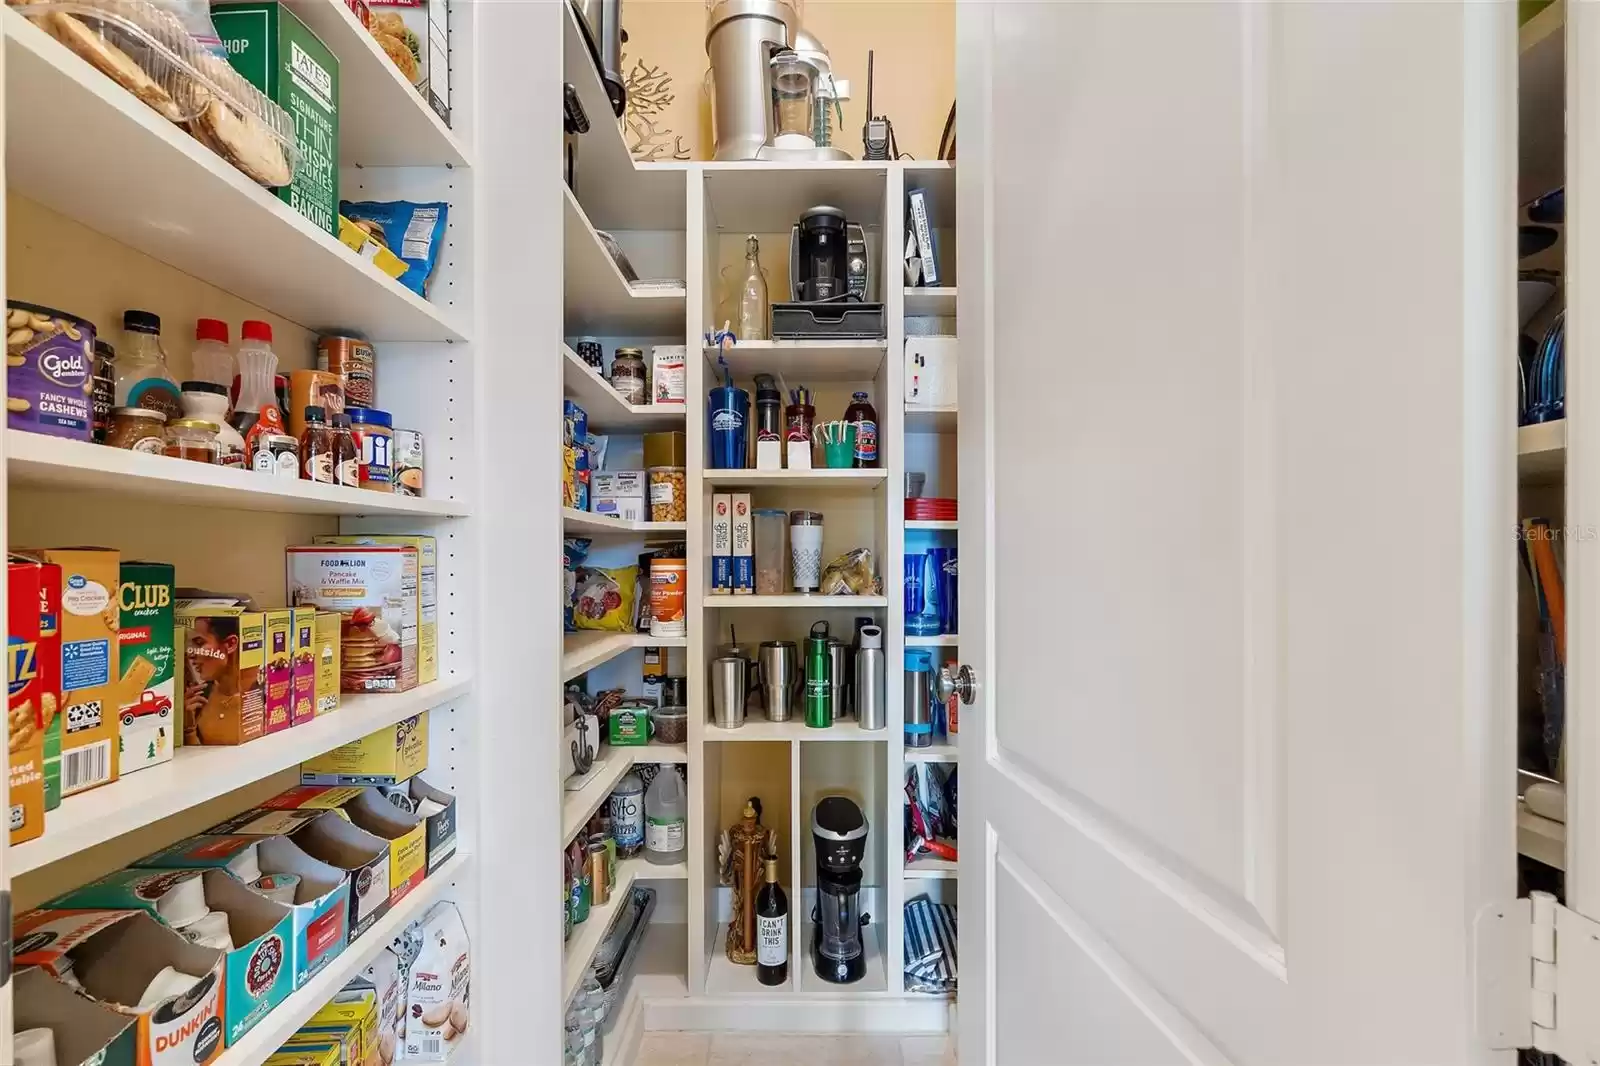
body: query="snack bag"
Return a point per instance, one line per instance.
(439, 986)
(605, 598)
(574, 550)
(414, 232)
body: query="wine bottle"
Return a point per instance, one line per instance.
(772, 930)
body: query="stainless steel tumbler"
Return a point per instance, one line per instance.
(727, 691)
(870, 680)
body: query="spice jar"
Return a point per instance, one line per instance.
(316, 447)
(346, 455)
(356, 362)
(668, 494)
(138, 430)
(627, 375)
(374, 435)
(194, 439)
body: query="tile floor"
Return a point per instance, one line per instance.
(781, 1049)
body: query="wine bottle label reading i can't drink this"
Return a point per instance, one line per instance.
(772, 940)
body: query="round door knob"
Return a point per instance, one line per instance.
(964, 683)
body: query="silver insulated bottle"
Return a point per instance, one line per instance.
(869, 680)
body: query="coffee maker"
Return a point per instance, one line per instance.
(830, 281)
(839, 836)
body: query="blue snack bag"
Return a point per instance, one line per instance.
(414, 232)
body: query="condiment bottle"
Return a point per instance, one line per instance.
(103, 394)
(864, 417)
(753, 306)
(212, 359)
(346, 455)
(142, 377)
(257, 365)
(317, 447)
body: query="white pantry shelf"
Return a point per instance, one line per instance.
(725, 978)
(927, 418)
(936, 301)
(383, 120)
(589, 524)
(941, 750)
(755, 728)
(1542, 451)
(598, 299)
(616, 192)
(876, 979)
(1541, 839)
(38, 461)
(270, 1033)
(577, 805)
(807, 600)
(760, 197)
(800, 362)
(930, 868)
(929, 526)
(653, 753)
(941, 640)
(194, 211)
(583, 651)
(198, 774)
(586, 937)
(608, 412)
(818, 478)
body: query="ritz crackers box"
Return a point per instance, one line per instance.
(80, 746)
(148, 702)
(33, 677)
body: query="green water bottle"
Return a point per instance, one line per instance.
(819, 683)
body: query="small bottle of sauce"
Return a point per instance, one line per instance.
(864, 417)
(317, 447)
(346, 454)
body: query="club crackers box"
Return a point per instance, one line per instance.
(274, 51)
(80, 745)
(147, 695)
(33, 676)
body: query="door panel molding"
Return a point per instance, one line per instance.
(1185, 1037)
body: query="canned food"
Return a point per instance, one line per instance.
(356, 361)
(599, 884)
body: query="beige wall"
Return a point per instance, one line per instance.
(914, 63)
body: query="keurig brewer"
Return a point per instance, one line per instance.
(839, 833)
(829, 281)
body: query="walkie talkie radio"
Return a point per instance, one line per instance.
(877, 134)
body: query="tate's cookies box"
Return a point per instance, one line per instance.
(147, 685)
(80, 745)
(33, 675)
(275, 52)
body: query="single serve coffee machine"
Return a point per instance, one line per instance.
(830, 281)
(839, 834)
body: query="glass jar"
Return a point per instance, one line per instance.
(628, 376)
(792, 100)
(137, 430)
(194, 439)
(316, 448)
(771, 537)
(209, 401)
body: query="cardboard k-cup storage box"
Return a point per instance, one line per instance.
(369, 810)
(387, 756)
(258, 972)
(330, 838)
(436, 808)
(80, 746)
(115, 955)
(33, 677)
(147, 698)
(321, 908)
(83, 1031)
(375, 588)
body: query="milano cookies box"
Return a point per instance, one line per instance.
(33, 676)
(146, 667)
(80, 746)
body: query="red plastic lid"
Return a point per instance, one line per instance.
(211, 329)
(256, 331)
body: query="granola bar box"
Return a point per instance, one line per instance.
(374, 589)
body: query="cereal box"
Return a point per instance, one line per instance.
(326, 646)
(225, 681)
(303, 667)
(33, 676)
(280, 670)
(81, 744)
(147, 680)
(427, 594)
(374, 588)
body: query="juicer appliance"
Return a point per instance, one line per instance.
(839, 836)
(769, 80)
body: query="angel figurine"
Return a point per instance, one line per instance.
(740, 852)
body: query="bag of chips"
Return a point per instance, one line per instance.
(414, 232)
(574, 550)
(605, 598)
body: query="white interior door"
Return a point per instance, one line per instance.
(1236, 455)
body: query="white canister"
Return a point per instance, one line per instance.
(805, 550)
(35, 1047)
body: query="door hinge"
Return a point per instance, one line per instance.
(1538, 970)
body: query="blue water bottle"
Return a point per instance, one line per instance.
(727, 422)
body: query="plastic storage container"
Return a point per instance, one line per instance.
(666, 814)
(771, 548)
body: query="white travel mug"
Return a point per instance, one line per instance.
(805, 550)
(35, 1047)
